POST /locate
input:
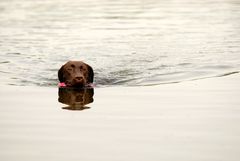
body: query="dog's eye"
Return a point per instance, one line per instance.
(82, 68)
(73, 66)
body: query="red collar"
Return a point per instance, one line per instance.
(90, 85)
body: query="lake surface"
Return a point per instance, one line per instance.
(138, 42)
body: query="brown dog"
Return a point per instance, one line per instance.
(76, 74)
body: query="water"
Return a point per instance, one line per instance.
(138, 42)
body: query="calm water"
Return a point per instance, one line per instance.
(137, 42)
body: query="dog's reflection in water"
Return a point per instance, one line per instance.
(76, 99)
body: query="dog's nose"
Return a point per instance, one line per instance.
(79, 78)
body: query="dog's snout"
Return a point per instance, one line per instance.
(79, 78)
(78, 81)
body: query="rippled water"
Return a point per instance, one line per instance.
(138, 42)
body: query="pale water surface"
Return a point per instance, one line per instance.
(137, 42)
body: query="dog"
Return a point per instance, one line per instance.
(76, 74)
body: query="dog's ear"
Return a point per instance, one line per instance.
(90, 74)
(60, 74)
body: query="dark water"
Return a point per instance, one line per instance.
(139, 42)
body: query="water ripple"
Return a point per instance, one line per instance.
(126, 42)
